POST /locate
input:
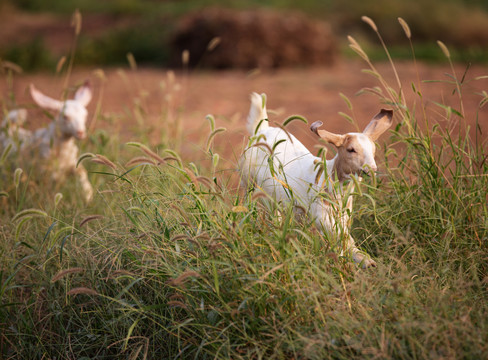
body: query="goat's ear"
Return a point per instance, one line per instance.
(45, 101)
(334, 139)
(84, 94)
(379, 124)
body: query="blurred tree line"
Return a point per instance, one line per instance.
(461, 24)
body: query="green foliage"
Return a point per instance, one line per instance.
(462, 24)
(32, 56)
(172, 261)
(146, 40)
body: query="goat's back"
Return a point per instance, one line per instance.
(279, 164)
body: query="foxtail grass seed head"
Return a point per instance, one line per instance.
(139, 160)
(259, 195)
(76, 22)
(239, 209)
(293, 118)
(30, 213)
(59, 65)
(352, 41)
(65, 272)
(57, 198)
(354, 45)
(370, 22)
(205, 181)
(191, 175)
(176, 303)
(179, 237)
(83, 157)
(99, 73)
(82, 290)
(211, 121)
(5, 153)
(215, 160)
(152, 154)
(175, 156)
(185, 57)
(8, 65)
(100, 159)
(444, 49)
(132, 61)
(264, 146)
(90, 218)
(405, 27)
(213, 43)
(346, 100)
(17, 175)
(212, 136)
(183, 277)
(120, 272)
(171, 77)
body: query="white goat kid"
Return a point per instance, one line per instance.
(56, 142)
(295, 176)
(11, 131)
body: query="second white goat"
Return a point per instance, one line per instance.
(278, 164)
(56, 142)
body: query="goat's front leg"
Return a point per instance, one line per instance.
(85, 183)
(359, 257)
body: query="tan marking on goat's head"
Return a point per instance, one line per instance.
(355, 156)
(356, 151)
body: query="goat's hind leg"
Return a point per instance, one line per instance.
(85, 183)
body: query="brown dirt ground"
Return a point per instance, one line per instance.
(312, 93)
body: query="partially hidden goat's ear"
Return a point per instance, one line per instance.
(334, 139)
(45, 101)
(379, 124)
(84, 94)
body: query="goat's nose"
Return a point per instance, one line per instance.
(80, 134)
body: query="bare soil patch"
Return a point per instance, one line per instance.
(314, 93)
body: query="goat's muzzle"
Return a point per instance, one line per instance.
(368, 170)
(80, 135)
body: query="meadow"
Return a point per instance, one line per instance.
(173, 260)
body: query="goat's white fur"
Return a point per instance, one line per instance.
(295, 175)
(56, 142)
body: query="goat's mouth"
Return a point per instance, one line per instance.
(366, 171)
(80, 135)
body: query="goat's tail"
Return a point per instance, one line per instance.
(257, 118)
(15, 118)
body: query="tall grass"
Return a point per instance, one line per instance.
(172, 261)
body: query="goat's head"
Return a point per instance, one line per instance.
(72, 114)
(356, 151)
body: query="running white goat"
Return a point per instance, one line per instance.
(56, 142)
(292, 173)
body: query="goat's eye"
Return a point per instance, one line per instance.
(351, 150)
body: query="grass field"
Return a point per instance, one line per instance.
(172, 260)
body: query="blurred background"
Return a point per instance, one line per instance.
(268, 33)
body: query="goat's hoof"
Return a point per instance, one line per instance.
(88, 197)
(368, 263)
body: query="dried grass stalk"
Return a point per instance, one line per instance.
(65, 272)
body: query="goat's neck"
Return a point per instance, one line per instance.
(334, 174)
(56, 143)
(334, 170)
(57, 136)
